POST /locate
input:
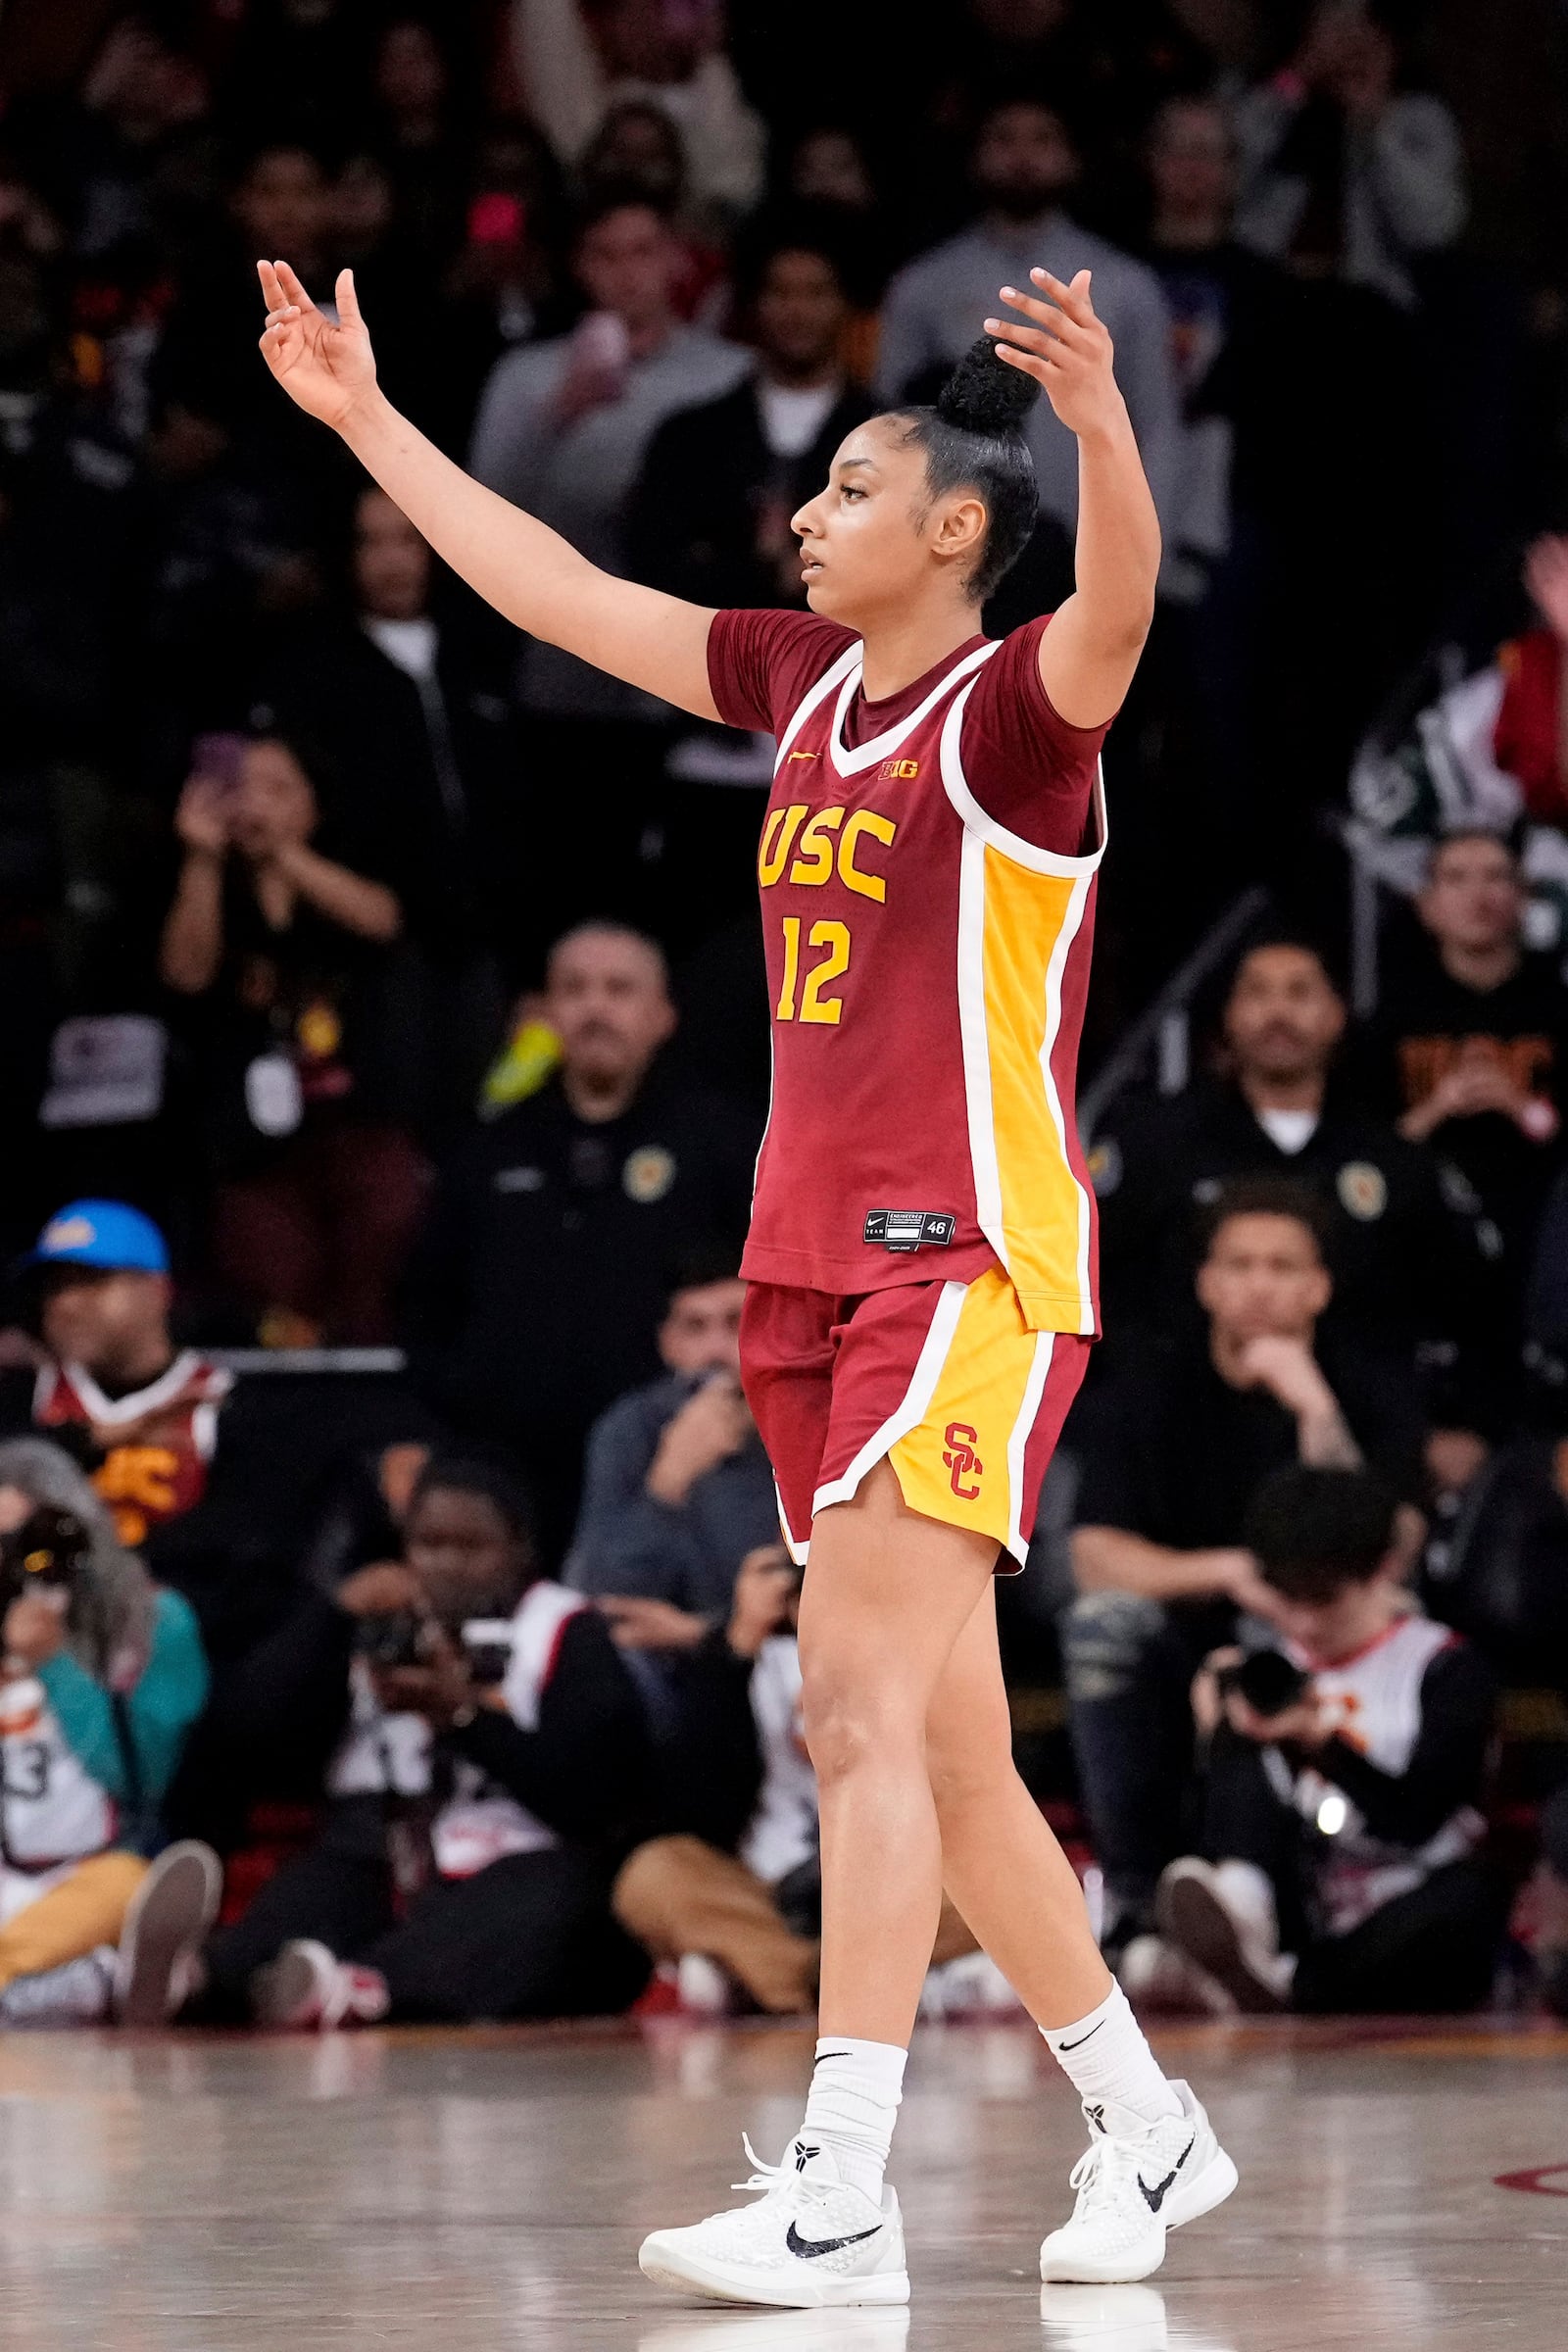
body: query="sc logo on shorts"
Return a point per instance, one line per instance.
(962, 1459)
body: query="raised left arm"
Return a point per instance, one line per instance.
(1089, 653)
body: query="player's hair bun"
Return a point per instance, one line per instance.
(985, 395)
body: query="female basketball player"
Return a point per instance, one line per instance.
(922, 1262)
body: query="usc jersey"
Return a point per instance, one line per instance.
(927, 872)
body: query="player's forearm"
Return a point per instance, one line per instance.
(516, 563)
(1116, 560)
(1089, 653)
(531, 574)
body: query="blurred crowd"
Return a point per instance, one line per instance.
(378, 979)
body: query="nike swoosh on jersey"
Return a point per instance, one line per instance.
(809, 2247)
(1154, 2198)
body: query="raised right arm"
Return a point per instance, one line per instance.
(529, 573)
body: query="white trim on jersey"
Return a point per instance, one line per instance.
(911, 1409)
(882, 747)
(841, 666)
(972, 982)
(996, 836)
(1072, 923)
(112, 1412)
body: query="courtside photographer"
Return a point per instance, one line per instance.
(101, 1677)
(484, 1755)
(1345, 1767)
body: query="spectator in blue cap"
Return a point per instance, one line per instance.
(146, 1411)
(189, 1472)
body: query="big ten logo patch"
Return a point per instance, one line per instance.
(962, 1459)
(898, 772)
(835, 841)
(140, 1485)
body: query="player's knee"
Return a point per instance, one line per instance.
(968, 1765)
(848, 1726)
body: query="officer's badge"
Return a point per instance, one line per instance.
(1364, 1191)
(648, 1173)
(1105, 1166)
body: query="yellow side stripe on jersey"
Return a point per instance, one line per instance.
(1031, 921)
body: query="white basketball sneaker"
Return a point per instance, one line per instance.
(810, 2241)
(1136, 2181)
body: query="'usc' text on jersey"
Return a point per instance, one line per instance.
(928, 963)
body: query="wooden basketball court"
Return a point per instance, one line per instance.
(1403, 2189)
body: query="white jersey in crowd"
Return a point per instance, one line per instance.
(782, 1831)
(1374, 1704)
(390, 1755)
(55, 1814)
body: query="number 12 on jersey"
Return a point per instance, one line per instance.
(813, 1004)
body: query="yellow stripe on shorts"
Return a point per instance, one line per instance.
(962, 1462)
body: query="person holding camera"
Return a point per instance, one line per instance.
(1173, 1453)
(101, 1677)
(485, 1761)
(1346, 1765)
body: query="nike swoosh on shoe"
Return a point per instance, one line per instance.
(1154, 2198)
(809, 2247)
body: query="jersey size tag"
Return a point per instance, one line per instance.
(906, 1228)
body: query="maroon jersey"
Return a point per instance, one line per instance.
(927, 872)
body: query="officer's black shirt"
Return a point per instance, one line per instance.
(1408, 1258)
(545, 1274)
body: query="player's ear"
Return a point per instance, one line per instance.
(959, 528)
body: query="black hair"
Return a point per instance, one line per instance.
(701, 1264)
(1280, 935)
(1313, 1531)
(472, 1474)
(1265, 1196)
(800, 228)
(610, 196)
(972, 436)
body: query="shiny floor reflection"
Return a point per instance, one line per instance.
(485, 2192)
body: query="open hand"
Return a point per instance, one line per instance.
(1065, 348)
(325, 369)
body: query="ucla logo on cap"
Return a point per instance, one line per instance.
(70, 1232)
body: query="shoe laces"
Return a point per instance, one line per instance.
(1101, 2172)
(769, 2178)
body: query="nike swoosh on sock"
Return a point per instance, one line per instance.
(1062, 2047)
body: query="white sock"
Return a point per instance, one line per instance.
(1107, 2061)
(852, 2104)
